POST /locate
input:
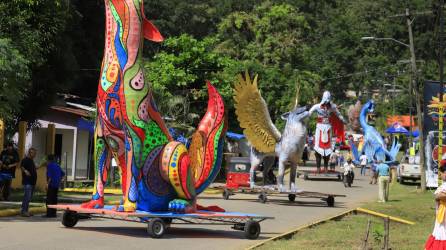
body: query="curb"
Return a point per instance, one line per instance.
(16, 211)
(289, 234)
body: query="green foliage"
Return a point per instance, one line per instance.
(178, 75)
(14, 79)
(36, 30)
(269, 41)
(298, 48)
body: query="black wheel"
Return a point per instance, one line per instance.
(226, 194)
(339, 177)
(305, 176)
(69, 219)
(291, 197)
(262, 198)
(330, 201)
(401, 180)
(156, 228)
(252, 230)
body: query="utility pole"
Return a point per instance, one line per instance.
(441, 108)
(413, 89)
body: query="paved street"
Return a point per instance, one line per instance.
(39, 233)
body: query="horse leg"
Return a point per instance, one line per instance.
(281, 174)
(293, 171)
(255, 162)
(267, 165)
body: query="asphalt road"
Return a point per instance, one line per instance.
(41, 233)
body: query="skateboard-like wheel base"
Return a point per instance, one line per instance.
(252, 230)
(156, 228)
(70, 219)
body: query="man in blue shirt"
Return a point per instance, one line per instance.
(383, 171)
(54, 175)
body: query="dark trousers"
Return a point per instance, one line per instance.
(318, 161)
(6, 189)
(51, 199)
(27, 196)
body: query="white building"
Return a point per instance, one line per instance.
(73, 141)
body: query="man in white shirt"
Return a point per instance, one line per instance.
(349, 166)
(363, 163)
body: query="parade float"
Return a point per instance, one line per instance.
(160, 177)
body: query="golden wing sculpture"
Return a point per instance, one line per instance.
(252, 113)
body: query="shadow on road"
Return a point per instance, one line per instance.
(172, 232)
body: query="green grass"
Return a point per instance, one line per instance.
(348, 233)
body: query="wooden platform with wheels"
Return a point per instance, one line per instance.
(264, 192)
(331, 174)
(158, 223)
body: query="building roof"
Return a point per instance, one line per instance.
(76, 111)
(402, 119)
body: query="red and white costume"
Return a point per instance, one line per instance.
(438, 238)
(329, 122)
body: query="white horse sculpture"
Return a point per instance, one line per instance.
(254, 118)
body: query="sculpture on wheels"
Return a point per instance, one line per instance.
(252, 113)
(157, 173)
(353, 116)
(329, 122)
(373, 144)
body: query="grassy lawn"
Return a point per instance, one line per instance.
(348, 233)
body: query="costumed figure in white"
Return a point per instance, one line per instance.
(329, 122)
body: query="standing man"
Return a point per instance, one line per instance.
(363, 163)
(29, 179)
(373, 173)
(329, 122)
(9, 159)
(54, 175)
(383, 171)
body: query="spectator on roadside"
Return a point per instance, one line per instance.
(341, 160)
(29, 179)
(384, 173)
(9, 159)
(54, 176)
(363, 163)
(333, 160)
(373, 173)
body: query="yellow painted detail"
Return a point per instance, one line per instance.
(174, 170)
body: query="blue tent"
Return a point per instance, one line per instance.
(397, 128)
(235, 136)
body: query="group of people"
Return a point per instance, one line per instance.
(9, 161)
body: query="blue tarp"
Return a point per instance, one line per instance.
(397, 128)
(235, 136)
(83, 124)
